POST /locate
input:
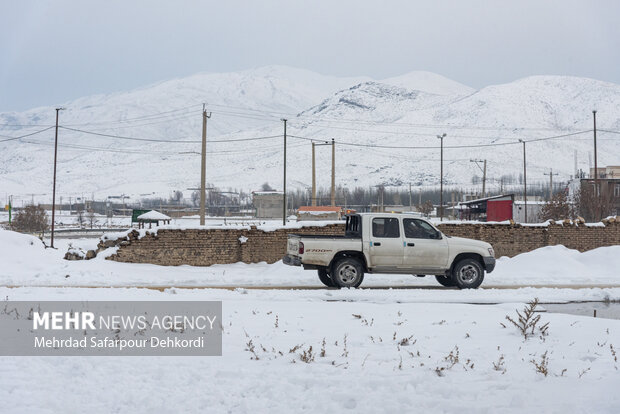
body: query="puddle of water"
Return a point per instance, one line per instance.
(603, 310)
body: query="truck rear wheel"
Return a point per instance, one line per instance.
(325, 279)
(445, 281)
(467, 274)
(347, 272)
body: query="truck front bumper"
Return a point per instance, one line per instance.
(291, 260)
(489, 263)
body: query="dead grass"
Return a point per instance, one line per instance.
(527, 322)
(542, 366)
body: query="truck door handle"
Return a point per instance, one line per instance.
(376, 244)
(410, 244)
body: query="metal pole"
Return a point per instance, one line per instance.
(596, 183)
(54, 185)
(484, 180)
(441, 137)
(524, 181)
(410, 201)
(203, 165)
(313, 175)
(284, 195)
(551, 174)
(333, 195)
(550, 184)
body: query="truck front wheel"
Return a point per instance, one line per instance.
(467, 274)
(325, 279)
(347, 272)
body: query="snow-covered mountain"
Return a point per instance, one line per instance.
(405, 111)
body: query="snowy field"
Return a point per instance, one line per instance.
(336, 351)
(25, 262)
(325, 350)
(66, 220)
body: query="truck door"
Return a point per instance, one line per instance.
(425, 248)
(386, 243)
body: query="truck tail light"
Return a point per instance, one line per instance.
(301, 248)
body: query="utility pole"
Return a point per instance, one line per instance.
(484, 180)
(284, 195)
(596, 183)
(10, 208)
(550, 174)
(313, 175)
(410, 201)
(441, 137)
(54, 185)
(203, 164)
(484, 174)
(333, 189)
(333, 195)
(524, 180)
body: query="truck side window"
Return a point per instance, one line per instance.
(385, 227)
(419, 229)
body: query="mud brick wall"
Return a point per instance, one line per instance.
(511, 240)
(199, 247)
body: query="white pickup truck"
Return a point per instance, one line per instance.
(391, 243)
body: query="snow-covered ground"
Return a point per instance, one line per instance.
(380, 355)
(66, 220)
(25, 262)
(388, 350)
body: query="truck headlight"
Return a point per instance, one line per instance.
(491, 251)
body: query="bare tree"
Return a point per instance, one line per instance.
(91, 218)
(558, 208)
(592, 207)
(30, 219)
(426, 208)
(196, 198)
(80, 217)
(176, 196)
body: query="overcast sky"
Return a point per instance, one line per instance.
(54, 51)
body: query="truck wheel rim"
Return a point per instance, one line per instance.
(347, 274)
(468, 274)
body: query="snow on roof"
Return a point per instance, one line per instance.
(153, 215)
(532, 202)
(493, 198)
(319, 208)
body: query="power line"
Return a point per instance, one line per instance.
(27, 135)
(151, 152)
(160, 121)
(156, 115)
(452, 146)
(179, 141)
(129, 138)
